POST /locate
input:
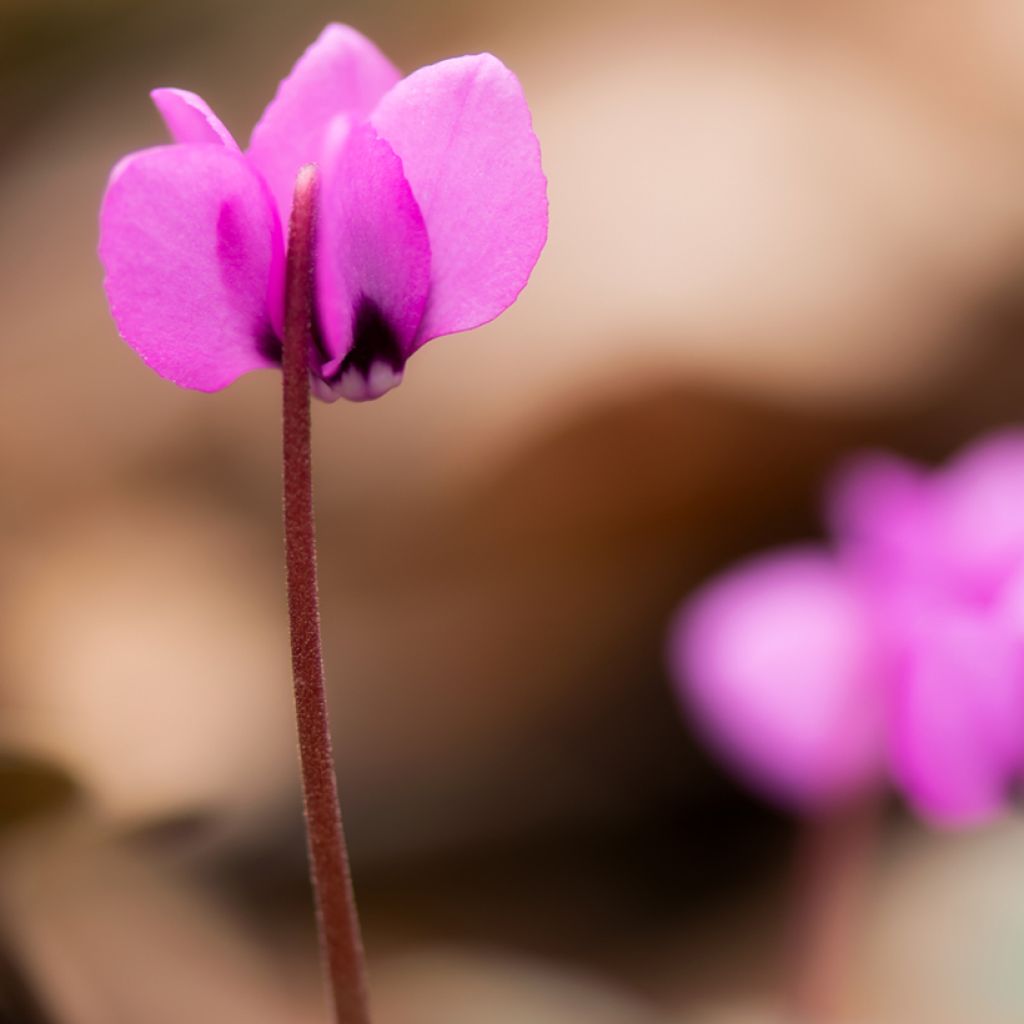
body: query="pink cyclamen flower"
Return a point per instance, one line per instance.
(433, 212)
(899, 652)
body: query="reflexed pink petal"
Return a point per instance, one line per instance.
(463, 132)
(193, 256)
(959, 717)
(980, 498)
(779, 667)
(189, 118)
(342, 72)
(880, 506)
(373, 264)
(1007, 618)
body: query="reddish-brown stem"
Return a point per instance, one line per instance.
(833, 859)
(338, 924)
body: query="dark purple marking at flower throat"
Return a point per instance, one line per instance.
(269, 345)
(373, 341)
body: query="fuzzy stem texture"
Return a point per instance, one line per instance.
(338, 923)
(833, 861)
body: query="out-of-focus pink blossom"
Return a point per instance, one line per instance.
(898, 652)
(433, 213)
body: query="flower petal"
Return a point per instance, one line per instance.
(342, 72)
(463, 131)
(959, 717)
(979, 499)
(880, 505)
(189, 118)
(373, 264)
(193, 256)
(778, 664)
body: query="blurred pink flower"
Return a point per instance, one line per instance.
(900, 652)
(433, 213)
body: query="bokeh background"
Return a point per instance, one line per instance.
(781, 231)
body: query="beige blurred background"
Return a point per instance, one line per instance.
(780, 230)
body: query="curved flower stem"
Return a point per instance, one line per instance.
(340, 941)
(833, 860)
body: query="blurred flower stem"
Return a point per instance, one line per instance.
(833, 861)
(338, 923)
